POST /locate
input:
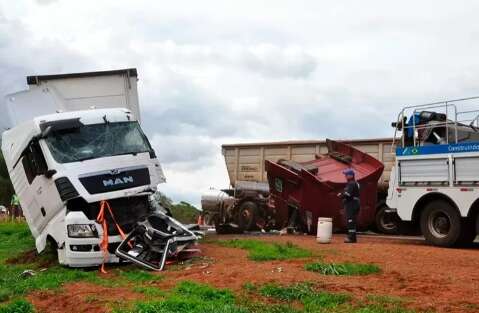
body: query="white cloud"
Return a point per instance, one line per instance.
(215, 72)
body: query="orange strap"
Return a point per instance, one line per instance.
(101, 219)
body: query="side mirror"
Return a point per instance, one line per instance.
(50, 173)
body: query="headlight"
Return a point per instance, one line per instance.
(82, 231)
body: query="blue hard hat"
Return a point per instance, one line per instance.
(348, 172)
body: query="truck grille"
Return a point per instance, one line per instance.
(117, 179)
(127, 211)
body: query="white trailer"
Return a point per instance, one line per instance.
(435, 181)
(75, 140)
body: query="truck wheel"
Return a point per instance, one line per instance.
(386, 222)
(219, 227)
(247, 215)
(441, 224)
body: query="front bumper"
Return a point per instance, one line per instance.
(85, 252)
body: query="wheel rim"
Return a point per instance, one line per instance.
(439, 224)
(246, 216)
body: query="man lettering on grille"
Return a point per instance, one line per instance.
(350, 197)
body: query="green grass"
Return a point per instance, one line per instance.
(16, 239)
(186, 297)
(314, 300)
(306, 294)
(12, 283)
(150, 292)
(139, 276)
(342, 268)
(18, 306)
(189, 297)
(265, 251)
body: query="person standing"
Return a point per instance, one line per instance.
(350, 197)
(14, 207)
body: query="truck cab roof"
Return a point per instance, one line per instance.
(16, 139)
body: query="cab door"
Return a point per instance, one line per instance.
(37, 193)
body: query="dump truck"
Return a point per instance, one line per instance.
(77, 156)
(249, 190)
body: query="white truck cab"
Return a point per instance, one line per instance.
(64, 163)
(435, 181)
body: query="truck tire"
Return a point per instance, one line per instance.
(441, 224)
(386, 222)
(247, 215)
(219, 227)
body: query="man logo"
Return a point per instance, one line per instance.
(115, 172)
(118, 181)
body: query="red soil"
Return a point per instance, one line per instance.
(444, 280)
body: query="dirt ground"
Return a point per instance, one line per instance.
(428, 278)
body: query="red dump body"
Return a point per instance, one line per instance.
(312, 186)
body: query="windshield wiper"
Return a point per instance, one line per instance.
(132, 153)
(90, 158)
(109, 155)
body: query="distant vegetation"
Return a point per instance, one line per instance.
(182, 211)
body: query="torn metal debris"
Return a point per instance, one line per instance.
(157, 239)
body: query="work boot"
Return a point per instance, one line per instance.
(350, 239)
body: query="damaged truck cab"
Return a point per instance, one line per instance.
(62, 165)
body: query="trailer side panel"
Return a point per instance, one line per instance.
(245, 162)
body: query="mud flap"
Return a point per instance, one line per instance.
(155, 239)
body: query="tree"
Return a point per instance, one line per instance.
(182, 211)
(185, 212)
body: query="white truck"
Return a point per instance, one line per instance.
(435, 181)
(73, 141)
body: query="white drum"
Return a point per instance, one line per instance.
(325, 230)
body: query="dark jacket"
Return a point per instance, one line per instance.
(350, 195)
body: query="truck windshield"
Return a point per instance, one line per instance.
(97, 141)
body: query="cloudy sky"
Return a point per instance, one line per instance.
(214, 72)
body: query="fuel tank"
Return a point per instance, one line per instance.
(311, 188)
